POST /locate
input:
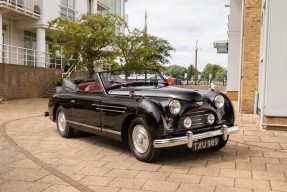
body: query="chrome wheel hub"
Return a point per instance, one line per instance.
(140, 139)
(62, 121)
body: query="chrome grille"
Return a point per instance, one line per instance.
(198, 118)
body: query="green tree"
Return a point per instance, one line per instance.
(140, 50)
(190, 71)
(221, 74)
(210, 69)
(85, 41)
(175, 71)
(155, 52)
(127, 47)
(115, 66)
(216, 70)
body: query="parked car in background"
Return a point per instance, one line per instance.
(140, 108)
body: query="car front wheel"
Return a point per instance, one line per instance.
(63, 129)
(141, 142)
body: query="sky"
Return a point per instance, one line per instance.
(182, 22)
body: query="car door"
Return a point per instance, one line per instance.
(86, 110)
(115, 109)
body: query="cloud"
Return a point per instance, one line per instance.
(182, 22)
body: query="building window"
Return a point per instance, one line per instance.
(67, 9)
(30, 44)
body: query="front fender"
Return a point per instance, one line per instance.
(153, 114)
(51, 106)
(229, 113)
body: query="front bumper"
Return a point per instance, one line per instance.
(190, 138)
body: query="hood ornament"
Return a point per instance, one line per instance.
(199, 103)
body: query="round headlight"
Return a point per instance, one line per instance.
(219, 101)
(210, 119)
(174, 107)
(187, 122)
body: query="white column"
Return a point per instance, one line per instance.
(1, 39)
(41, 46)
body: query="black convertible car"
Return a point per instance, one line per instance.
(139, 107)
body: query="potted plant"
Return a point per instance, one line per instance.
(58, 84)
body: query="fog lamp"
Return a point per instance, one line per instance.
(187, 122)
(210, 119)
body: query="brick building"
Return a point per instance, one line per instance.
(257, 48)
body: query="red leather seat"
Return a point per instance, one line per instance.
(94, 87)
(91, 87)
(83, 86)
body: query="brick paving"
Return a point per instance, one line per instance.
(33, 157)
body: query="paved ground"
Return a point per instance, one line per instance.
(33, 157)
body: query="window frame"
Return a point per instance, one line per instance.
(68, 11)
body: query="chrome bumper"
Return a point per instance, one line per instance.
(190, 137)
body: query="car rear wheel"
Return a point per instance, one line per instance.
(63, 129)
(141, 141)
(221, 144)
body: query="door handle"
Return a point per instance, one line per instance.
(73, 101)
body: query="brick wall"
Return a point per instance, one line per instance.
(232, 95)
(22, 82)
(80, 75)
(250, 54)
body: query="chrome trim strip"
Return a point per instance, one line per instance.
(199, 115)
(197, 112)
(112, 131)
(97, 128)
(110, 110)
(197, 119)
(118, 107)
(198, 124)
(85, 125)
(190, 137)
(114, 106)
(102, 84)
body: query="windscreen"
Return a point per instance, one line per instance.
(132, 78)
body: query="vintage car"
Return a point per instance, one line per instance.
(140, 108)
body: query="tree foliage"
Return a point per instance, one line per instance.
(84, 42)
(218, 72)
(127, 46)
(190, 71)
(155, 51)
(140, 50)
(175, 71)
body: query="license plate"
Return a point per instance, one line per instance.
(205, 144)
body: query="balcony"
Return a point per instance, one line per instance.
(29, 57)
(104, 5)
(20, 8)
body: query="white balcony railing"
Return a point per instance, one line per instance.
(29, 57)
(31, 7)
(104, 4)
